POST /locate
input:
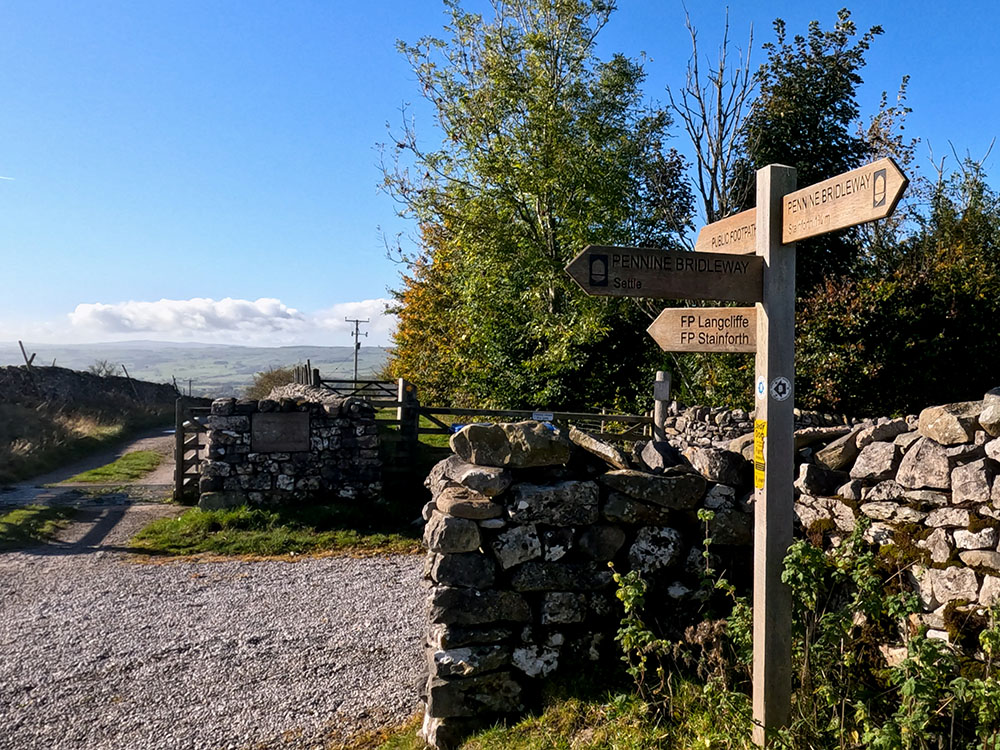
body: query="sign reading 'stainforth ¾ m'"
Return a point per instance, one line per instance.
(667, 274)
(865, 194)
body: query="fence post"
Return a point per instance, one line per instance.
(661, 397)
(407, 413)
(316, 380)
(179, 450)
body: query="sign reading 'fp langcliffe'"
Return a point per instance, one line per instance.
(667, 274)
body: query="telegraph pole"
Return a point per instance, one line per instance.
(357, 343)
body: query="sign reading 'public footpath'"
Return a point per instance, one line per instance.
(721, 268)
(706, 329)
(736, 234)
(670, 274)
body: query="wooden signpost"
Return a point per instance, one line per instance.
(783, 215)
(706, 329)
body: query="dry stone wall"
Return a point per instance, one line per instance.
(312, 448)
(525, 518)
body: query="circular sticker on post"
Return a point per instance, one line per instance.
(780, 388)
(761, 387)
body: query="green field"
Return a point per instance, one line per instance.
(213, 370)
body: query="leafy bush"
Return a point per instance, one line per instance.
(265, 382)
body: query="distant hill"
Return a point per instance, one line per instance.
(214, 370)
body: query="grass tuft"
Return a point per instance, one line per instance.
(274, 532)
(31, 525)
(128, 468)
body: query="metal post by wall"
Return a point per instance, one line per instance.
(661, 397)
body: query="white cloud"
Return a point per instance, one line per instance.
(262, 322)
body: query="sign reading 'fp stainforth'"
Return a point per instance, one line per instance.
(854, 197)
(667, 274)
(706, 329)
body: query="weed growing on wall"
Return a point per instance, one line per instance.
(851, 607)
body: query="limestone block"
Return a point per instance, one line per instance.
(221, 500)
(725, 467)
(468, 660)
(950, 424)
(889, 490)
(876, 462)
(657, 456)
(569, 503)
(619, 508)
(981, 558)
(925, 466)
(982, 539)
(467, 570)
(851, 490)
(674, 489)
(885, 431)
(563, 607)
(840, 453)
(907, 439)
(922, 584)
(601, 541)
(446, 534)
(450, 605)
(989, 592)
(993, 449)
(938, 544)
(989, 418)
(608, 453)
(517, 545)
(879, 534)
(486, 480)
(731, 526)
(954, 583)
(497, 692)
(972, 482)
(536, 661)
(926, 498)
(443, 637)
(816, 480)
(655, 548)
(556, 543)
(954, 517)
(558, 576)
(461, 502)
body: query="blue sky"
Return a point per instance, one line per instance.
(207, 170)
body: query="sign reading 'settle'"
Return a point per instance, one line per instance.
(669, 274)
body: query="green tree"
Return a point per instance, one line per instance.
(545, 148)
(806, 115)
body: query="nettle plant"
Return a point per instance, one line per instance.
(864, 675)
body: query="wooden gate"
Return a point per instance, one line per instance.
(190, 430)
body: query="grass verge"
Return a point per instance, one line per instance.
(588, 713)
(128, 468)
(32, 524)
(34, 441)
(276, 532)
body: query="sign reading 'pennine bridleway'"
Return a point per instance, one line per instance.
(854, 197)
(670, 274)
(706, 329)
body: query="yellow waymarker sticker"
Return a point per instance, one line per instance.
(759, 435)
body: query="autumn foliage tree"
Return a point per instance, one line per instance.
(545, 148)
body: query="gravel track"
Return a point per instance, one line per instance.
(99, 652)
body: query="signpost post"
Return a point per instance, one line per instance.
(783, 216)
